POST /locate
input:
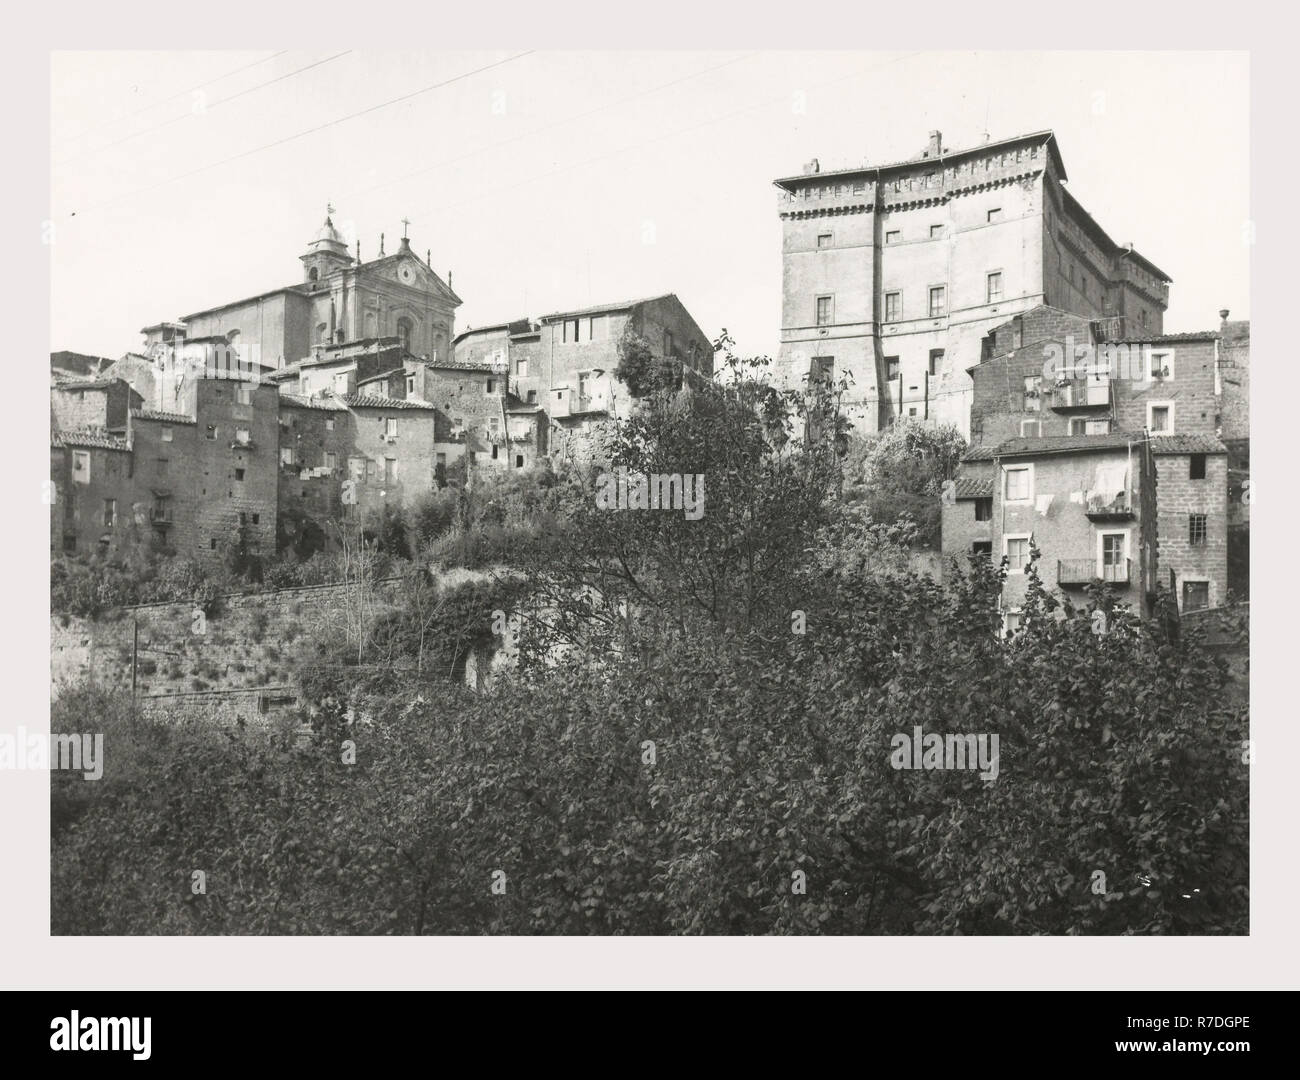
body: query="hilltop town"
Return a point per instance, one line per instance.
(963, 287)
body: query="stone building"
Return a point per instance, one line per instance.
(94, 487)
(894, 273)
(562, 368)
(1192, 498)
(340, 299)
(1088, 503)
(1048, 373)
(103, 403)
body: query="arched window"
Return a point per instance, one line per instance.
(404, 333)
(313, 274)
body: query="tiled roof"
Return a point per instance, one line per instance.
(83, 384)
(1166, 339)
(1054, 444)
(459, 365)
(91, 437)
(164, 417)
(370, 401)
(384, 375)
(967, 487)
(597, 309)
(1187, 444)
(297, 401)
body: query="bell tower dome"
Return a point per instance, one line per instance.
(327, 252)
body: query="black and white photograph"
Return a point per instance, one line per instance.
(647, 488)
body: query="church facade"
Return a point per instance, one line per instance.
(340, 299)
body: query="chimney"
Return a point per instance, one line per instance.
(811, 168)
(1223, 314)
(936, 145)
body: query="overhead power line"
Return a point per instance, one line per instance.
(206, 109)
(308, 131)
(171, 97)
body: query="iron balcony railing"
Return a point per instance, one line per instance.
(1084, 572)
(1111, 506)
(1081, 394)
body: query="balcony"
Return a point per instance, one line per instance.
(1075, 394)
(1109, 507)
(1079, 572)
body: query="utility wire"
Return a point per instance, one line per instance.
(548, 127)
(172, 97)
(206, 109)
(309, 131)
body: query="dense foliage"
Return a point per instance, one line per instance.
(696, 736)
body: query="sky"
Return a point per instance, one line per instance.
(545, 180)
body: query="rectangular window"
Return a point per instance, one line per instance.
(1017, 554)
(1031, 429)
(390, 470)
(891, 367)
(521, 367)
(859, 186)
(81, 466)
(166, 434)
(893, 306)
(357, 468)
(390, 427)
(239, 474)
(1196, 467)
(911, 411)
(1196, 530)
(286, 455)
(110, 512)
(491, 386)
(936, 232)
(495, 448)
(938, 300)
(243, 395)
(242, 436)
(893, 236)
(212, 431)
(936, 362)
(995, 214)
(410, 386)
(994, 286)
(570, 330)
(331, 460)
(329, 423)
(823, 369)
(1033, 391)
(341, 383)
(1096, 427)
(982, 548)
(1010, 621)
(984, 509)
(670, 349)
(1196, 595)
(1162, 365)
(1114, 565)
(257, 519)
(532, 397)
(824, 240)
(1158, 419)
(1018, 484)
(824, 310)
